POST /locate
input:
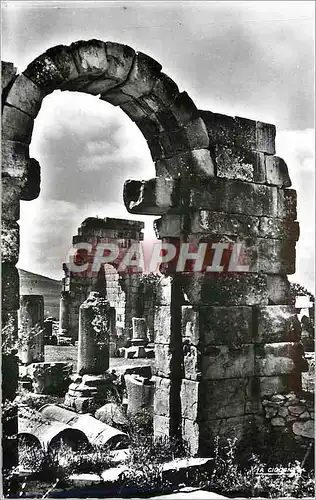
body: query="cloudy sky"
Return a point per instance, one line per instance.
(251, 59)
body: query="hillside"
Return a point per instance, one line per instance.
(36, 284)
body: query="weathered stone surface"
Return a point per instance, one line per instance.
(8, 72)
(15, 159)
(64, 62)
(224, 428)
(163, 357)
(305, 429)
(277, 422)
(278, 358)
(278, 289)
(217, 325)
(220, 223)
(10, 241)
(162, 426)
(240, 132)
(44, 73)
(189, 395)
(169, 225)
(32, 186)
(140, 394)
(90, 56)
(116, 97)
(296, 410)
(31, 329)
(279, 229)
(191, 435)
(111, 414)
(134, 110)
(223, 362)
(120, 59)
(165, 90)
(10, 198)
(10, 287)
(162, 397)
(273, 385)
(195, 162)
(16, 125)
(225, 290)
(191, 362)
(224, 398)
(277, 324)
(25, 95)
(183, 109)
(265, 137)
(245, 133)
(287, 201)
(232, 163)
(142, 76)
(191, 136)
(148, 197)
(277, 172)
(162, 324)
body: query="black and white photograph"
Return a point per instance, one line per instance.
(158, 249)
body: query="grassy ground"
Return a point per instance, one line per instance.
(69, 353)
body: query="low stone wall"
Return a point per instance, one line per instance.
(291, 414)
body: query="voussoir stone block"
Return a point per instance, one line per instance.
(62, 57)
(90, 56)
(16, 125)
(277, 172)
(120, 59)
(142, 76)
(25, 96)
(44, 73)
(222, 362)
(8, 75)
(165, 90)
(277, 323)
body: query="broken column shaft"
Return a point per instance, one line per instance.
(94, 330)
(31, 328)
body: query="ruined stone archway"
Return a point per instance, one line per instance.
(216, 177)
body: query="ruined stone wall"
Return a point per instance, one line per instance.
(122, 290)
(292, 415)
(240, 336)
(217, 178)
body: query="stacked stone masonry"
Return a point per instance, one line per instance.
(218, 179)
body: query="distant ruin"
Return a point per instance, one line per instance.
(224, 342)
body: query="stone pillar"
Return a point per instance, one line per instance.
(64, 314)
(113, 334)
(139, 336)
(31, 328)
(94, 332)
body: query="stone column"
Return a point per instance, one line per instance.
(31, 328)
(64, 314)
(94, 332)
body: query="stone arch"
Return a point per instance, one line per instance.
(216, 177)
